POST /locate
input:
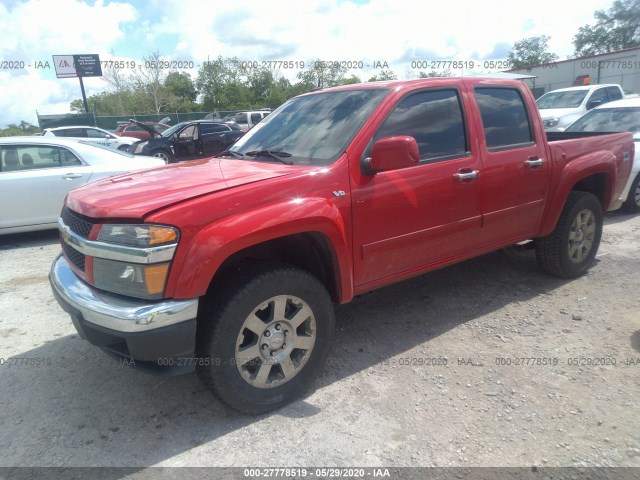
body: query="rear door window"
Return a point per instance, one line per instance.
(70, 132)
(93, 133)
(207, 128)
(505, 120)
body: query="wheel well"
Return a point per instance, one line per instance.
(595, 184)
(308, 251)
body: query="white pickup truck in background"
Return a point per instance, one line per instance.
(560, 108)
(248, 119)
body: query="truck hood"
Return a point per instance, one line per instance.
(135, 194)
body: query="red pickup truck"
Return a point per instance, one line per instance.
(230, 265)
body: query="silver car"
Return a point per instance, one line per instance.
(618, 116)
(37, 172)
(93, 135)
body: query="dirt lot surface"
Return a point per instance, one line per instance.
(487, 363)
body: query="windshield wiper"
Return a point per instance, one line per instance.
(232, 153)
(271, 154)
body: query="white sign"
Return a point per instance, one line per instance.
(64, 66)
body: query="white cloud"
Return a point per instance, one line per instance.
(382, 30)
(33, 31)
(36, 29)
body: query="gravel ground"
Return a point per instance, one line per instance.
(486, 363)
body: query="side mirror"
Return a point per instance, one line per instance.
(393, 153)
(593, 103)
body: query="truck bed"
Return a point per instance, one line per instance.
(579, 146)
(558, 136)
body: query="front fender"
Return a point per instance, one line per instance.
(196, 263)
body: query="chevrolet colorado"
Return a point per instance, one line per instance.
(230, 265)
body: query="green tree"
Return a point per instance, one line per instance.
(615, 29)
(148, 84)
(350, 80)
(181, 85)
(280, 92)
(320, 75)
(223, 84)
(23, 128)
(531, 51)
(384, 75)
(435, 74)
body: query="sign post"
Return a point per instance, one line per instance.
(70, 66)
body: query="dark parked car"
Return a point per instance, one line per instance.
(188, 140)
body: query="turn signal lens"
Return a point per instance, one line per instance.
(155, 278)
(160, 235)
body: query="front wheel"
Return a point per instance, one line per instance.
(572, 246)
(632, 204)
(163, 154)
(265, 337)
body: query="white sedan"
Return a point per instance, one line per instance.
(37, 172)
(618, 116)
(93, 135)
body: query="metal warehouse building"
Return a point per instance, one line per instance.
(621, 67)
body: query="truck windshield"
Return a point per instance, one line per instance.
(608, 120)
(562, 99)
(313, 129)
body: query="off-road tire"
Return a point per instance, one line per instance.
(222, 322)
(554, 252)
(632, 204)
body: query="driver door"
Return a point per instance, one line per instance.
(188, 145)
(407, 219)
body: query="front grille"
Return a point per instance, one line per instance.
(74, 256)
(78, 225)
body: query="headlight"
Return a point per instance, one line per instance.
(139, 147)
(141, 280)
(138, 235)
(131, 279)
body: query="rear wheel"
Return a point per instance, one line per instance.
(571, 248)
(632, 204)
(163, 154)
(265, 337)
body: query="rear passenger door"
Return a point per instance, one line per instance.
(516, 171)
(213, 138)
(407, 219)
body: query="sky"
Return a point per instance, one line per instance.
(370, 33)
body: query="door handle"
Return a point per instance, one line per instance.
(533, 162)
(71, 176)
(466, 175)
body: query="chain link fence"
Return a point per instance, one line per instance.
(111, 122)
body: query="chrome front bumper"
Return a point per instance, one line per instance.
(114, 312)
